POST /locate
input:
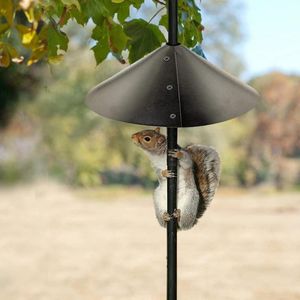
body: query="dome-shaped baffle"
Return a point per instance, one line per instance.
(172, 87)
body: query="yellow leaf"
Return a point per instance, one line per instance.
(36, 56)
(30, 15)
(117, 1)
(56, 59)
(4, 58)
(27, 34)
(3, 27)
(28, 37)
(11, 50)
(13, 53)
(32, 61)
(7, 10)
(22, 28)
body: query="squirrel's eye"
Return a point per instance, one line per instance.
(147, 139)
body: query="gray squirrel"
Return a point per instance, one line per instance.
(198, 177)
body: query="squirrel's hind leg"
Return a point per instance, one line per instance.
(187, 205)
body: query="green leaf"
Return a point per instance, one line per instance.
(71, 3)
(78, 16)
(118, 38)
(101, 51)
(137, 3)
(55, 59)
(189, 23)
(144, 38)
(189, 35)
(97, 33)
(98, 10)
(110, 36)
(117, 1)
(57, 40)
(164, 21)
(198, 31)
(94, 9)
(101, 34)
(123, 12)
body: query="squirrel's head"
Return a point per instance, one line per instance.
(150, 140)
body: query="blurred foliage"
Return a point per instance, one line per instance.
(77, 147)
(54, 133)
(73, 144)
(273, 149)
(35, 29)
(15, 82)
(224, 33)
(13, 171)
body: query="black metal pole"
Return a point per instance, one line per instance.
(173, 22)
(172, 182)
(172, 224)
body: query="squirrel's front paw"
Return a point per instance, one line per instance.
(168, 174)
(176, 153)
(166, 217)
(176, 214)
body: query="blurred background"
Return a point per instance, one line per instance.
(76, 217)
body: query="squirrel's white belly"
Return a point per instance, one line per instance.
(187, 201)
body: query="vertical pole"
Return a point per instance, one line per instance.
(172, 182)
(172, 224)
(173, 22)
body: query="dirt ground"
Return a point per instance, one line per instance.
(57, 244)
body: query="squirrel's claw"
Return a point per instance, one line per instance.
(168, 174)
(176, 214)
(166, 217)
(176, 153)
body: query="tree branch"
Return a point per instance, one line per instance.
(155, 15)
(160, 2)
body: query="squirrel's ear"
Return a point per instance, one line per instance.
(157, 129)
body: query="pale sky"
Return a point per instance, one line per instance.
(272, 36)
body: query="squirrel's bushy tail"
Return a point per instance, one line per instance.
(207, 173)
